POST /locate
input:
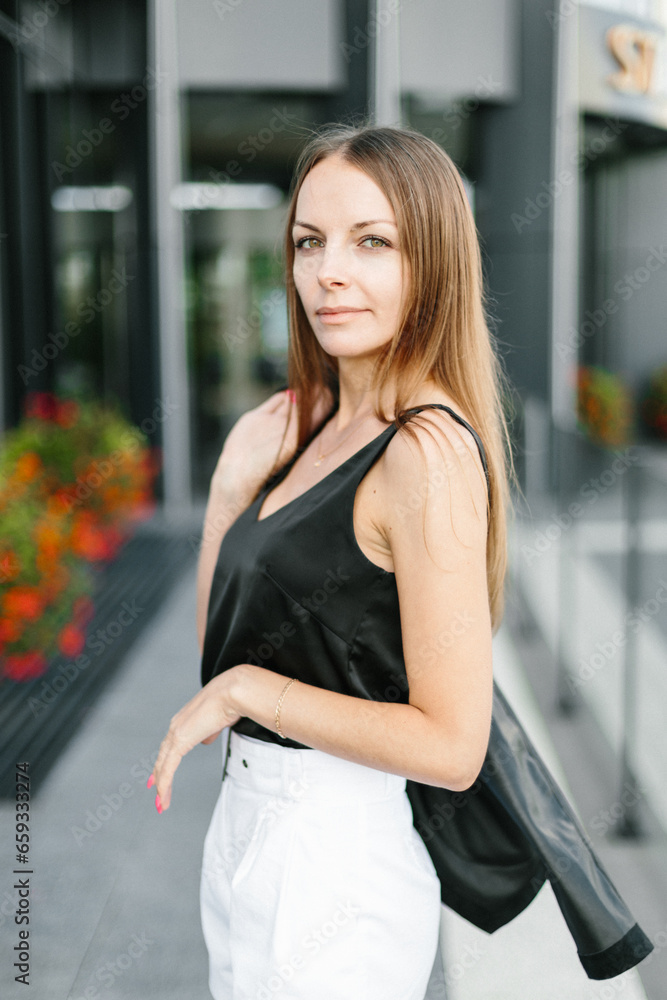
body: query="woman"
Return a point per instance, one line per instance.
(379, 224)
(350, 578)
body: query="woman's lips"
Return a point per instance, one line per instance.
(340, 317)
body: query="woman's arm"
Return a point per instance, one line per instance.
(226, 501)
(439, 552)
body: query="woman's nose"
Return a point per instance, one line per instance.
(333, 267)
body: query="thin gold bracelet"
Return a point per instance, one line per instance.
(280, 701)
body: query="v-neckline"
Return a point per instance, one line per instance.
(263, 495)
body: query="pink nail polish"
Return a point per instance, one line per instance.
(150, 782)
(158, 804)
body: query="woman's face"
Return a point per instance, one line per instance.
(347, 255)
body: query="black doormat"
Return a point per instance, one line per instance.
(38, 718)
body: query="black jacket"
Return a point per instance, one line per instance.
(495, 845)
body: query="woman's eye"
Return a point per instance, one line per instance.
(300, 244)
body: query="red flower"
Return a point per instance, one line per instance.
(10, 566)
(61, 501)
(49, 540)
(71, 640)
(113, 539)
(28, 466)
(9, 630)
(88, 538)
(41, 405)
(25, 666)
(94, 541)
(67, 413)
(23, 602)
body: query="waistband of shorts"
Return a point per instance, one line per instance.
(305, 773)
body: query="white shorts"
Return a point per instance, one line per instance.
(315, 884)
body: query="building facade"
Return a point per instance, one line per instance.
(147, 150)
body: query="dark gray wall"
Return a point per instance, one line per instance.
(514, 169)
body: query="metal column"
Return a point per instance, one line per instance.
(168, 255)
(385, 85)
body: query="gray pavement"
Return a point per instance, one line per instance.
(114, 904)
(114, 894)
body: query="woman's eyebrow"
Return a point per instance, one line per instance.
(357, 225)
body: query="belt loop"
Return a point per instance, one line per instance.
(228, 752)
(301, 777)
(292, 773)
(285, 771)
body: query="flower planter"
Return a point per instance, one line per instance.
(75, 478)
(75, 481)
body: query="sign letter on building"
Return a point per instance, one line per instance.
(634, 51)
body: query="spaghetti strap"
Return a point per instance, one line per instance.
(464, 423)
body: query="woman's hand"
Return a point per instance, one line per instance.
(200, 721)
(263, 440)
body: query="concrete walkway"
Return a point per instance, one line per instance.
(114, 890)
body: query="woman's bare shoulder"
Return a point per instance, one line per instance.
(434, 466)
(432, 422)
(436, 448)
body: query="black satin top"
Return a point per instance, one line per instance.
(295, 593)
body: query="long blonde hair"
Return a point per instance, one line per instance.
(443, 333)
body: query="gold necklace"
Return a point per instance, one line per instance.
(323, 455)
